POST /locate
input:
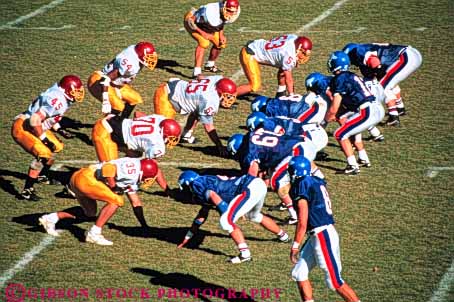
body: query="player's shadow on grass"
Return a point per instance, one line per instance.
(6, 185)
(168, 64)
(207, 150)
(31, 220)
(188, 284)
(72, 125)
(172, 235)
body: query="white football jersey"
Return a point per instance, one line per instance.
(279, 52)
(144, 134)
(128, 65)
(52, 103)
(128, 173)
(196, 96)
(209, 14)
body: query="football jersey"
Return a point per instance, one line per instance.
(313, 190)
(352, 89)
(128, 173)
(376, 89)
(267, 148)
(226, 187)
(128, 65)
(198, 96)
(285, 107)
(144, 134)
(316, 112)
(279, 52)
(208, 17)
(282, 125)
(52, 103)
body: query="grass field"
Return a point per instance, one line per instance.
(395, 222)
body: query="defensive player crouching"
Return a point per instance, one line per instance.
(105, 182)
(233, 197)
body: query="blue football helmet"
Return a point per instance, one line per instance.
(259, 103)
(186, 178)
(234, 143)
(313, 82)
(349, 47)
(299, 166)
(255, 120)
(338, 60)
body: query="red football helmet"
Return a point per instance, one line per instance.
(74, 88)
(171, 132)
(230, 10)
(147, 54)
(148, 172)
(226, 89)
(303, 46)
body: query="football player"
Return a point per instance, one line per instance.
(112, 86)
(206, 25)
(349, 90)
(391, 64)
(106, 182)
(200, 99)
(31, 129)
(284, 52)
(315, 218)
(233, 197)
(266, 154)
(147, 135)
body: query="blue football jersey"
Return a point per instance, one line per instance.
(352, 89)
(291, 127)
(287, 108)
(267, 148)
(227, 188)
(313, 190)
(387, 53)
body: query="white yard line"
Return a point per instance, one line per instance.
(26, 259)
(433, 171)
(441, 294)
(41, 10)
(61, 163)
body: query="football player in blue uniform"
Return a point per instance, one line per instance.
(315, 218)
(266, 154)
(349, 90)
(233, 197)
(391, 64)
(292, 106)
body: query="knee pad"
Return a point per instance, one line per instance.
(255, 217)
(38, 164)
(225, 223)
(300, 272)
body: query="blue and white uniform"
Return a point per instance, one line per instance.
(322, 247)
(356, 98)
(245, 195)
(273, 152)
(399, 62)
(291, 108)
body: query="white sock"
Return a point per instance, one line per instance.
(281, 88)
(95, 230)
(209, 64)
(244, 250)
(188, 134)
(52, 217)
(362, 154)
(318, 173)
(374, 131)
(197, 71)
(291, 211)
(351, 160)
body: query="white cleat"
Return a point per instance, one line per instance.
(49, 226)
(98, 239)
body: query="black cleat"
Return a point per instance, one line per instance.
(401, 111)
(29, 194)
(351, 170)
(278, 207)
(239, 259)
(378, 138)
(393, 120)
(280, 94)
(363, 163)
(213, 69)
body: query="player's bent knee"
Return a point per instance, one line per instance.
(256, 217)
(283, 191)
(224, 223)
(300, 272)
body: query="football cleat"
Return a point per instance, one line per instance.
(280, 94)
(29, 194)
(239, 259)
(393, 120)
(284, 238)
(48, 226)
(97, 238)
(278, 207)
(378, 138)
(401, 111)
(351, 170)
(290, 220)
(213, 69)
(364, 163)
(189, 139)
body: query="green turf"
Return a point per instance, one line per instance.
(392, 217)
